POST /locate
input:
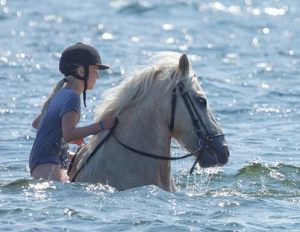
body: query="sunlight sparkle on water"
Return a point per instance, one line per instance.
(266, 30)
(107, 36)
(227, 203)
(168, 27)
(136, 39)
(39, 190)
(274, 11)
(220, 7)
(170, 40)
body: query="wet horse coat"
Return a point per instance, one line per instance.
(143, 106)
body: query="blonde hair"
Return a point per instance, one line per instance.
(55, 89)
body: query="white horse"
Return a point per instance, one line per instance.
(161, 101)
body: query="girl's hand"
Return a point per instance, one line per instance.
(78, 142)
(107, 122)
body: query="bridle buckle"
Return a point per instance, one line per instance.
(209, 138)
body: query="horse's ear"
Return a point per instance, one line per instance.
(184, 65)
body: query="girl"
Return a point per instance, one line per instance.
(56, 124)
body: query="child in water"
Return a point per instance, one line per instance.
(57, 123)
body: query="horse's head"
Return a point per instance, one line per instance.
(193, 123)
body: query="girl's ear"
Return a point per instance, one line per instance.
(80, 71)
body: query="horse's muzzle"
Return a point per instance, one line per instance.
(208, 160)
(214, 156)
(222, 154)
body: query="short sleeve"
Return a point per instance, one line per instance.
(72, 102)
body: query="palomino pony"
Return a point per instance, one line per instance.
(162, 101)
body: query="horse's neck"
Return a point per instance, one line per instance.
(144, 127)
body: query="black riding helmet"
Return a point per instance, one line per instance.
(78, 55)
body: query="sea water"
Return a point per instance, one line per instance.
(247, 57)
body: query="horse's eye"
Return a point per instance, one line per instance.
(202, 100)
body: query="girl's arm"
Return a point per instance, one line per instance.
(36, 122)
(71, 132)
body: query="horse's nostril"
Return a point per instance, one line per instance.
(227, 151)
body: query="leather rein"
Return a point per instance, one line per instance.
(203, 144)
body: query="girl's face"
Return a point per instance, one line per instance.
(93, 76)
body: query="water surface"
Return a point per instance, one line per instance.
(246, 54)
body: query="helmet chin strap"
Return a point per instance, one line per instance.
(84, 79)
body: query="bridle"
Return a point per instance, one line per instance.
(205, 140)
(204, 143)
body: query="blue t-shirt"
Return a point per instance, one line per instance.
(48, 146)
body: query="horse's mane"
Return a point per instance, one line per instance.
(163, 67)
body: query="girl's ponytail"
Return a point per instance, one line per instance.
(55, 89)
